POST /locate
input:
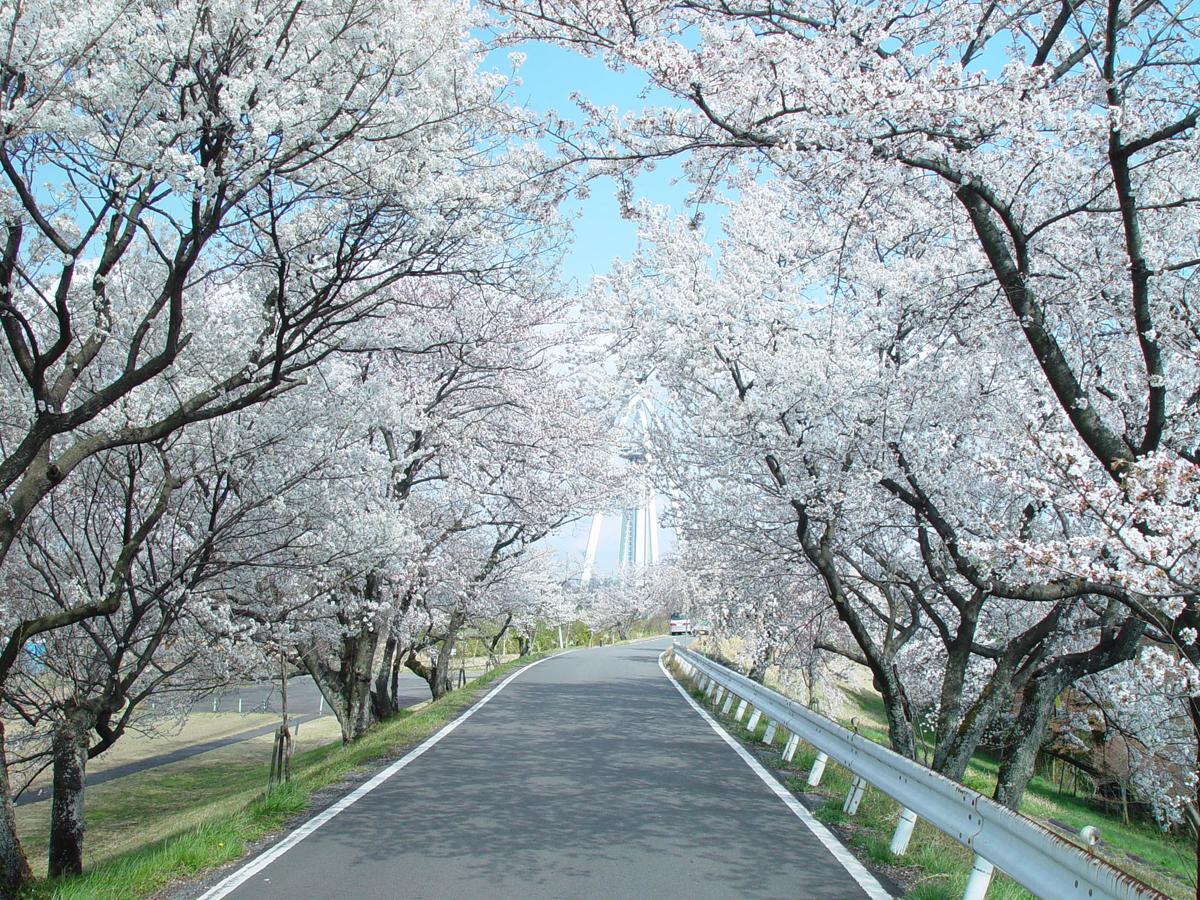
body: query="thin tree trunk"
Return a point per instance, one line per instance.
(14, 868)
(1194, 711)
(70, 751)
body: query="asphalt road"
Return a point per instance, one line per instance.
(587, 776)
(303, 697)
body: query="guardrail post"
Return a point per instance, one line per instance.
(817, 770)
(741, 711)
(903, 832)
(728, 704)
(981, 877)
(753, 723)
(789, 752)
(769, 734)
(721, 692)
(712, 686)
(854, 796)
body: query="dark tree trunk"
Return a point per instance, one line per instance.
(1028, 733)
(356, 685)
(895, 703)
(436, 676)
(14, 868)
(347, 689)
(440, 685)
(952, 757)
(383, 697)
(69, 747)
(1194, 710)
(1116, 645)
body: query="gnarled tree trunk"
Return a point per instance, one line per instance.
(69, 747)
(14, 868)
(383, 696)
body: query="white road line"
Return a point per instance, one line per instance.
(857, 870)
(239, 877)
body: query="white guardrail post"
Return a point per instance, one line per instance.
(858, 787)
(981, 877)
(817, 770)
(903, 832)
(789, 752)
(1031, 855)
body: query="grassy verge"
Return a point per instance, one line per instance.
(222, 809)
(936, 866)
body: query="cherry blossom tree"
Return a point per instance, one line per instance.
(1026, 169)
(202, 202)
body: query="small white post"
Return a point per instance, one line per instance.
(854, 796)
(321, 706)
(728, 704)
(981, 877)
(817, 770)
(720, 694)
(741, 711)
(560, 638)
(903, 832)
(239, 704)
(769, 734)
(789, 752)
(216, 700)
(753, 723)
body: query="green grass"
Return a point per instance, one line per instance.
(936, 866)
(229, 809)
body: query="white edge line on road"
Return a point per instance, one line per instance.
(857, 870)
(239, 877)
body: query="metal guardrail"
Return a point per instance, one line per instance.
(1036, 858)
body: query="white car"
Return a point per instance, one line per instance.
(680, 624)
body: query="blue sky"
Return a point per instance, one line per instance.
(549, 78)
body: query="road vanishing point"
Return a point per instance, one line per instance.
(589, 774)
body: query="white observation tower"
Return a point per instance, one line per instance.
(639, 524)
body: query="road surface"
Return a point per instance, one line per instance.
(303, 697)
(589, 775)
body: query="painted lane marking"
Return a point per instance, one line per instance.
(857, 870)
(239, 877)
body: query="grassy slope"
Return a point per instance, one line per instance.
(220, 808)
(936, 866)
